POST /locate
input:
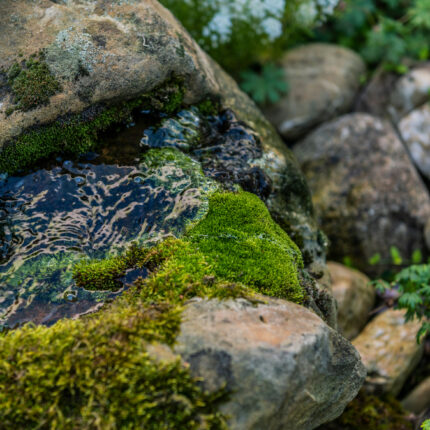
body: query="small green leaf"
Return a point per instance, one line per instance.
(417, 257)
(375, 259)
(395, 256)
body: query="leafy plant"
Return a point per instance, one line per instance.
(267, 86)
(383, 31)
(426, 425)
(413, 284)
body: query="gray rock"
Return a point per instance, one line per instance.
(366, 191)
(415, 131)
(323, 81)
(389, 350)
(418, 400)
(355, 298)
(285, 368)
(409, 92)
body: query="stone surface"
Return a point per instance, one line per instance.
(355, 298)
(418, 400)
(409, 92)
(375, 96)
(104, 52)
(366, 191)
(284, 366)
(415, 131)
(323, 81)
(389, 350)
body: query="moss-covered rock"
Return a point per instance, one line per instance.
(99, 373)
(236, 243)
(32, 83)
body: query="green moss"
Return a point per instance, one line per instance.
(79, 133)
(100, 275)
(96, 373)
(371, 412)
(236, 249)
(32, 83)
(182, 272)
(245, 245)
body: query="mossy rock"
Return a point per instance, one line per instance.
(237, 242)
(99, 373)
(371, 412)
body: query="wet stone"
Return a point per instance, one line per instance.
(54, 217)
(226, 148)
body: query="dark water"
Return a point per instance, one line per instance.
(140, 187)
(55, 216)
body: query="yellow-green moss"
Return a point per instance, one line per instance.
(244, 244)
(371, 412)
(95, 373)
(32, 83)
(77, 134)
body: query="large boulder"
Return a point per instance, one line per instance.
(389, 350)
(90, 63)
(282, 365)
(323, 81)
(355, 298)
(367, 193)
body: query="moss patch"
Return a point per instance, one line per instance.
(244, 244)
(237, 248)
(95, 373)
(371, 412)
(32, 83)
(77, 134)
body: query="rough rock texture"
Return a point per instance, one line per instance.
(409, 92)
(355, 298)
(323, 81)
(389, 350)
(285, 367)
(415, 131)
(375, 96)
(419, 399)
(104, 52)
(367, 194)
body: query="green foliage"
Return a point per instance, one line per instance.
(96, 373)
(395, 256)
(375, 259)
(32, 83)
(413, 284)
(426, 425)
(239, 34)
(79, 133)
(267, 86)
(383, 31)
